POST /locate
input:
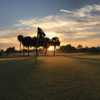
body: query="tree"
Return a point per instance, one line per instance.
(55, 42)
(1, 52)
(27, 41)
(20, 39)
(68, 48)
(35, 44)
(40, 33)
(79, 46)
(39, 40)
(46, 44)
(10, 50)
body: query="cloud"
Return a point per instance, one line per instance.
(77, 23)
(86, 11)
(69, 25)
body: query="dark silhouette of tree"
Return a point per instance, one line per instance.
(20, 39)
(35, 44)
(55, 42)
(68, 48)
(40, 33)
(27, 42)
(1, 52)
(79, 46)
(46, 44)
(39, 41)
(10, 50)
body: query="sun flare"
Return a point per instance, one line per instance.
(51, 48)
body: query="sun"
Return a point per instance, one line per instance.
(51, 48)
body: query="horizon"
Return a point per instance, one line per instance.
(73, 22)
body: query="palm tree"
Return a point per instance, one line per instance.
(46, 44)
(27, 42)
(35, 44)
(55, 42)
(40, 33)
(20, 39)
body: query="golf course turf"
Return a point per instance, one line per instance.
(50, 78)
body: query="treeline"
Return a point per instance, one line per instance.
(71, 49)
(64, 49)
(33, 44)
(27, 43)
(9, 50)
(37, 42)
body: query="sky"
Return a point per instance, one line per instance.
(73, 21)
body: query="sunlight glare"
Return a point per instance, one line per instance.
(51, 48)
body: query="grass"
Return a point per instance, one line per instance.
(50, 78)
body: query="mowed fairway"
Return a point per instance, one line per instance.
(50, 78)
